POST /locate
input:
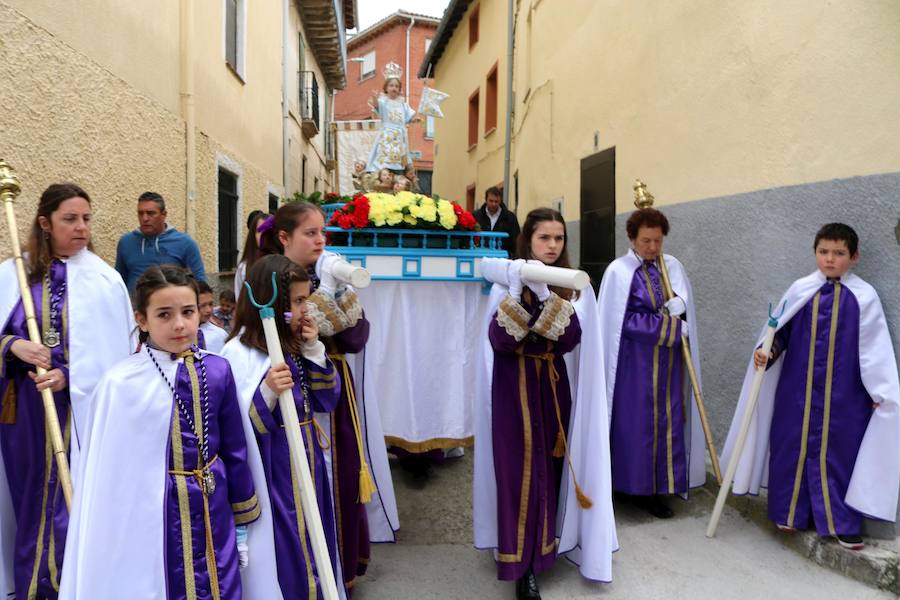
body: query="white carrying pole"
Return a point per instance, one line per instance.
(301, 468)
(356, 276)
(495, 271)
(746, 419)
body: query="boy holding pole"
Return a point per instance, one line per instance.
(826, 432)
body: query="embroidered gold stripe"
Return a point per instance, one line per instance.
(184, 508)
(257, 420)
(428, 445)
(672, 332)
(526, 467)
(48, 462)
(51, 552)
(670, 469)
(663, 330)
(649, 285)
(245, 505)
(301, 535)
(804, 432)
(322, 386)
(247, 517)
(316, 375)
(655, 411)
(826, 419)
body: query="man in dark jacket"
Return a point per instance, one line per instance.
(494, 216)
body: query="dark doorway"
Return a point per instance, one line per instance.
(424, 182)
(228, 225)
(598, 213)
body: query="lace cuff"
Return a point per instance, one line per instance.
(513, 318)
(329, 317)
(348, 302)
(554, 318)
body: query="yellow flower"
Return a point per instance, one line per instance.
(448, 217)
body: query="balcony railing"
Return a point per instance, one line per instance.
(309, 103)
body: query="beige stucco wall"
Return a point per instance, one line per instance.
(706, 98)
(66, 118)
(700, 99)
(92, 95)
(459, 73)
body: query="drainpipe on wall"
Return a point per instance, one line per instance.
(509, 101)
(187, 109)
(285, 86)
(411, 23)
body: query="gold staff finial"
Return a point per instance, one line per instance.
(9, 183)
(642, 198)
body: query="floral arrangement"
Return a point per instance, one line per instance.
(402, 210)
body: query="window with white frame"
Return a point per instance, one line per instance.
(429, 127)
(235, 27)
(367, 66)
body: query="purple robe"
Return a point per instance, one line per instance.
(37, 499)
(525, 429)
(350, 514)
(821, 413)
(298, 572)
(192, 566)
(647, 433)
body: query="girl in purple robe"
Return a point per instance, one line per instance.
(298, 229)
(166, 493)
(312, 378)
(532, 329)
(68, 282)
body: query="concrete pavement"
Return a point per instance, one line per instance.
(670, 559)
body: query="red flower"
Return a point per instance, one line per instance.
(360, 217)
(331, 196)
(345, 221)
(466, 220)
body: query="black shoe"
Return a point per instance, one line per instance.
(527, 588)
(853, 542)
(659, 509)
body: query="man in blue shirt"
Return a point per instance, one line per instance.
(155, 243)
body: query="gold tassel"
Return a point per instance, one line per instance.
(559, 450)
(366, 484)
(583, 499)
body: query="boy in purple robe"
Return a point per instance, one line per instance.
(650, 431)
(831, 401)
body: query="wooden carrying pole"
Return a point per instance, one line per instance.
(297, 449)
(9, 189)
(692, 374)
(746, 419)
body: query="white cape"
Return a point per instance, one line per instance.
(101, 325)
(116, 537)
(214, 336)
(875, 481)
(384, 519)
(587, 537)
(612, 302)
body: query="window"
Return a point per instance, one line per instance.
(473, 28)
(490, 101)
(273, 202)
(235, 18)
(303, 176)
(470, 198)
(427, 44)
(228, 220)
(367, 66)
(429, 127)
(473, 120)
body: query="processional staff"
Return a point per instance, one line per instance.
(644, 199)
(9, 190)
(297, 448)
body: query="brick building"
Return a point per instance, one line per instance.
(401, 37)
